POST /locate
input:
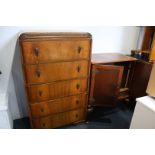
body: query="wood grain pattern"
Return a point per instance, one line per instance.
(37, 93)
(57, 69)
(49, 72)
(138, 86)
(107, 58)
(60, 119)
(105, 84)
(47, 51)
(58, 105)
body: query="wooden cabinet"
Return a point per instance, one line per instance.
(141, 74)
(105, 84)
(111, 76)
(56, 68)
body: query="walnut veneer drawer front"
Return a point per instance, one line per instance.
(56, 69)
(57, 106)
(48, 51)
(37, 93)
(49, 72)
(60, 119)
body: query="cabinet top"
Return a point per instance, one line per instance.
(103, 58)
(46, 35)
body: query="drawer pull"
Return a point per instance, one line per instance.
(77, 102)
(36, 51)
(76, 115)
(38, 73)
(79, 49)
(40, 93)
(78, 86)
(42, 110)
(78, 68)
(43, 124)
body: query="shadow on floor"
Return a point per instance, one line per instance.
(99, 118)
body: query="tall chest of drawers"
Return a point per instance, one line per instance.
(56, 68)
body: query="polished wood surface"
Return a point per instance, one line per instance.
(58, 105)
(138, 86)
(60, 119)
(56, 68)
(43, 92)
(112, 81)
(47, 51)
(105, 84)
(104, 58)
(147, 36)
(41, 73)
(31, 36)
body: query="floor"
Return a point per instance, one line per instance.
(100, 118)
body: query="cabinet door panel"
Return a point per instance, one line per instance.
(105, 84)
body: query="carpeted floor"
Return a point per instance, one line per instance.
(100, 118)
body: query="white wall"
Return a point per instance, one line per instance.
(105, 39)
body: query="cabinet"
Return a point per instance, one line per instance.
(56, 68)
(105, 84)
(111, 77)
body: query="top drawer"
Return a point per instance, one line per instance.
(54, 50)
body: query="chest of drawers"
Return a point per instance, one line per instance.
(56, 68)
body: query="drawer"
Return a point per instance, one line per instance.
(60, 119)
(49, 72)
(43, 92)
(57, 106)
(47, 51)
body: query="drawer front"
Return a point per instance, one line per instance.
(43, 73)
(60, 119)
(38, 93)
(57, 106)
(47, 51)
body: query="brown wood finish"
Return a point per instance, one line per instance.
(60, 119)
(138, 86)
(42, 73)
(56, 66)
(58, 105)
(47, 51)
(105, 84)
(109, 93)
(37, 93)
(152, 54)
(147, 37)
(108, 58)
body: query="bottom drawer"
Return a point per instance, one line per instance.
(59, 119)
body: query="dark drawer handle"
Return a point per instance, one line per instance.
(78, 86)
(0, 72)
(43, 124)
(77, 102)
(79, 49)
(42, 110)
(40, 93)
(36, 51)
(78, 68)
(76, 115)
(38, 73)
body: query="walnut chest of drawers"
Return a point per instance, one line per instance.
(56, 68)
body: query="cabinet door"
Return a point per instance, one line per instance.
(141, 74)
(105, 84)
